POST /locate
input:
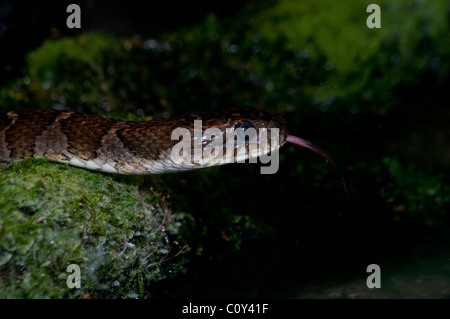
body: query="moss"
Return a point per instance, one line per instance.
(54, 215)
(413, 194)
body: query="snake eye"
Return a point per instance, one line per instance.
(245, 131)
(244, 125)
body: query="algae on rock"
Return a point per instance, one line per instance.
(53, 215)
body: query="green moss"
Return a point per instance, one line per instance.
(300, 58)
(87, 48)
(362, 59)
(55, 215)
(413, 194)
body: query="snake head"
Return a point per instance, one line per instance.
(242, 132)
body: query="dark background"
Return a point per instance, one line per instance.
(293, 234)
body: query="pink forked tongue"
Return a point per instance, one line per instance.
(307, 144)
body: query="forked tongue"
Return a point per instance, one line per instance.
(307, 144)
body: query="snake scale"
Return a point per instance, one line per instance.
(114, 146)
(127, 147)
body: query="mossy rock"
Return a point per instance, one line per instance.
(117, 231)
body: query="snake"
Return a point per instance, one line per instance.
(139, 147)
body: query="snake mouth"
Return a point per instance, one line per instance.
(237, 146)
